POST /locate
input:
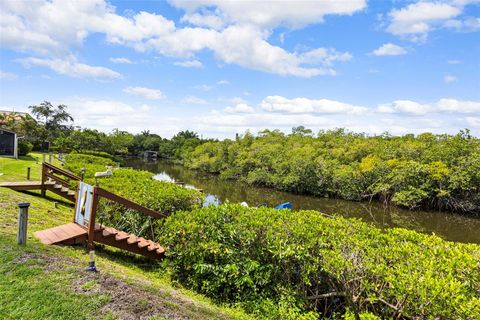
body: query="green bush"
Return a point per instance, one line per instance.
(24, 147)
(269, 261)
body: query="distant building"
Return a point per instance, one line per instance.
(8, 143)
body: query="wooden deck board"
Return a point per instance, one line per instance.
(61, 233)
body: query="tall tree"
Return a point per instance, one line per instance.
(54, 120)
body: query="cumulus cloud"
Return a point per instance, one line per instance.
(416, 20)
(147, 93)
(266, 13)
(305, 105)
(70, 67)
(121, 60)
(189, 64)
(389, 49)
(236, 32)
(444, 105)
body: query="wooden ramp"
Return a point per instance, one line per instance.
(73, 233)
(52, 186)
(23, 185)
(70, 233)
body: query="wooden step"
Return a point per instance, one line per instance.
(121, 236)
(133, 239)
(109, 232)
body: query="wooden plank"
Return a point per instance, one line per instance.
(45, 236)
(122, 236)
(57, 179)
(61, 233)
(129, 204)
(153, 246)
(61, 171)
(133, 239)
(143, 243)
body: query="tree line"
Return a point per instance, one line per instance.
(425, 171)
(50, 128)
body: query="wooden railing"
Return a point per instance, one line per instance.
(99, 192)
(58, 175)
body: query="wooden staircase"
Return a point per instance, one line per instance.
(61, 190)
(129, 242)
(73, 233)
(54, 179)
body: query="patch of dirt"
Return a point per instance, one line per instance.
(127, 302)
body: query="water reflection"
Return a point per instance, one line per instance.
(449, 226)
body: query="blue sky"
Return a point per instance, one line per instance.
(222, 67)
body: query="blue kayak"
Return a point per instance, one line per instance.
(286, 205)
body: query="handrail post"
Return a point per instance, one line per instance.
(22, 223)
(91, 220)
(44, 172)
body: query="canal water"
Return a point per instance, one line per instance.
(454, 227)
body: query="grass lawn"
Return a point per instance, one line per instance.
(49, 282)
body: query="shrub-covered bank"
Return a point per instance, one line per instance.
(284, 264)
(428, 171)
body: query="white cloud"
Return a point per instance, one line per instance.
(106, 115)
(417, 19)
(454, 61)
(305, 105)
(441, 106)
(121, 60)
(204, 20)
(70, 67)
(473, 121)
(389, 49)
(7, 76)
(54, 27)
(189, 64)
(450, 79)
(467, 25)
(147, 93)
(267, 13)
(222, 82)
(194, 100)
(240, 108)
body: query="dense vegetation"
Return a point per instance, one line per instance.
(294, 265)
(427, 171)
(134, 185)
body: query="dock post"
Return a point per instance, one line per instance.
(22, 223)
(44, 157)
(28, 173)
(49, 158)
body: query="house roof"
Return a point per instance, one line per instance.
(7, 130)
